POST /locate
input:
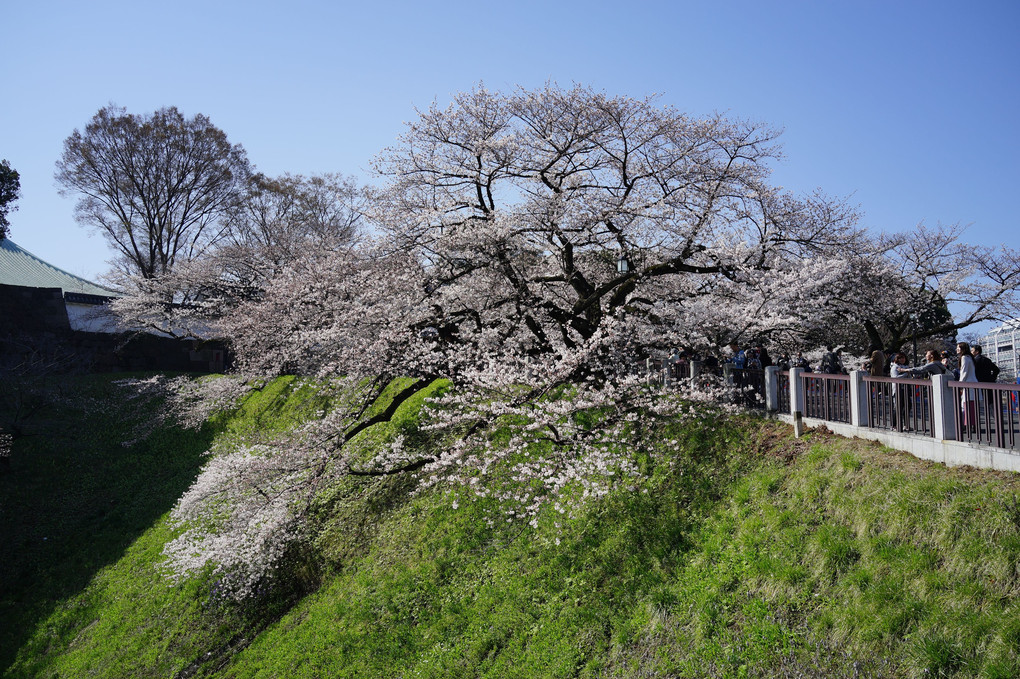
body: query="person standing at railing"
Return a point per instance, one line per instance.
(672, 360)
(951, 369)
(830, 365)
(968, 373)
(1015, 398)
(876, 365)
(711, 364)
(739, 358)
(984, 368)
(933, 366)
(899, 367)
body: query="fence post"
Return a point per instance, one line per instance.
(772, 387)
(944, 407)
(859, 402)
(796, 395)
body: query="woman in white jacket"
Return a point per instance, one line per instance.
(967, 374)
(899, 367)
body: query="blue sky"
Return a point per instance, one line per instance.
(908, 108)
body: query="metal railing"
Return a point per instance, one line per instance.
(987, 414)
(783, 391)
(826, 397)
(899, 404)
(748, 387)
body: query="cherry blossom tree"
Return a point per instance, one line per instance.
(529, 248)
(277, 222)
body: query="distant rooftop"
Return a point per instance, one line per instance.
(18, 266)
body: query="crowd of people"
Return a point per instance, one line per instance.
(968, 364)
(747, 362)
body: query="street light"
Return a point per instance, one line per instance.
(622, 265)
(914, 338)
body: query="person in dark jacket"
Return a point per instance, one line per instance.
(952, 368)
(932, 366)
(986, 370)
(831, 363)
(800, 362)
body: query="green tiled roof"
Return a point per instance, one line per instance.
(20, 267)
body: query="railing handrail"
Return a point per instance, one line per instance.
(899, 380)
(828, 376)
(996, 386)
(982, 413)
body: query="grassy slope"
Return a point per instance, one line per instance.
(756, 555)
(75, 500)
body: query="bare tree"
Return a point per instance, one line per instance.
(279, 217)
(155, 185)
(279, 222)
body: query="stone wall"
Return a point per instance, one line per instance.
(24, 309)
(139, 351)
(34, 328)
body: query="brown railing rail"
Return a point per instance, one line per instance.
(826, 397)
(900, 404)
(783, 391)
(987, 413)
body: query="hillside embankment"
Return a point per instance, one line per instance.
(744, 553)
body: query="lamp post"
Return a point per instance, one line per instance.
(622, 264)
(914, 339)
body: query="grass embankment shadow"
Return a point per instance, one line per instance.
(75, 498)
(124, 617)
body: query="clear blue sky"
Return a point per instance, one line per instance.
(909, 108)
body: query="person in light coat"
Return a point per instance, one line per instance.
(968, 373)
(899, 367)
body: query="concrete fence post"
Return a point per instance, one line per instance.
(696, 369)
(796, 394)
(944, 407)
(772, 388)
(797, 401)
(859, 401)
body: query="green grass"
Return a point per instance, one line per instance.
(76, 499)
(754, 554)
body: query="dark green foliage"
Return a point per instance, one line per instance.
(10, 189)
